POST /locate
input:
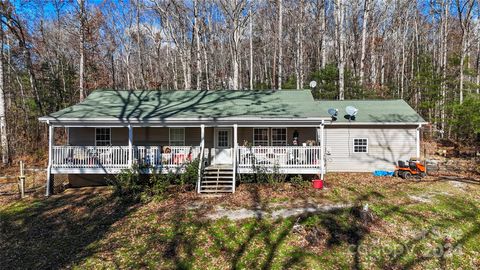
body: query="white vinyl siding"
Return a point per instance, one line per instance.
(386, 145)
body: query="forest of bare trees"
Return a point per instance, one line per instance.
(53, 53)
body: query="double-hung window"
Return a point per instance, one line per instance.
(279, 136)
(177, 136)
(360, 145)
(103, 136)
(260, 136)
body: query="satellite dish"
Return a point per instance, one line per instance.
(313, 84)
(352, 111)
(333, 112)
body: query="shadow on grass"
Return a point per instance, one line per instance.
(57, 232)
(62, 231)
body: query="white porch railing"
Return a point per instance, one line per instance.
(116, 157)
(282, 157)
(110, 157)
(170, 157)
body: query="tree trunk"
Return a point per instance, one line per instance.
(366, 12)
(197, 43)
(81, 75)
(443, 86)
(250, 19)
(3, 120)
(280, 43)
(324, 35)
(339, 10)
(139, 45)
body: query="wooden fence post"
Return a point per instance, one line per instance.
(21, 180)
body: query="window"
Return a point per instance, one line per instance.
(103, 136)
(279, 136)
(177, 136)
(223, 138)
(360, 145)
(260, 136)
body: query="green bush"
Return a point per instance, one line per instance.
(127, 183)
(190, 176)
(299, 181)
(132, 184)
(466, 119)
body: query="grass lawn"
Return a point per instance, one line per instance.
(429, 225)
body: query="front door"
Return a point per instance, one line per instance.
(223, 146)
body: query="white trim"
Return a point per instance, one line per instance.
(333, 123)
(322, 151)
(195, 119)
(202, 151)
(51, 142)
(130, 146)
(235, 147)
(170, 135)
(418, 139)
(215, 137)
(353, 145)
(110, 135)
(195, 125)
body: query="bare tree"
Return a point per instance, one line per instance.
(464, 10)
(340, 17)
(197, 43)
(82, 30)
(233, 11)
(366, 12)
(251, 45)
(280, 43)
(3, 121)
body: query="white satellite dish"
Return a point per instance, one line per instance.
(333, 112)
(313, 84)
(352, 111)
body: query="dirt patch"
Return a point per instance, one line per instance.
(243, 213)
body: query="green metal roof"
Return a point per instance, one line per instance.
(373, 111)
(157, 105)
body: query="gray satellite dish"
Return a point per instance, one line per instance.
(352, 111)
(333, 112)
(313, 84)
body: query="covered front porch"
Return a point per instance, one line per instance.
(169, 149)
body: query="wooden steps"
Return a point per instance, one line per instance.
(217, 179)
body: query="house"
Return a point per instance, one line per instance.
(230, 132)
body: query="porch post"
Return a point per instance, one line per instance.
(418, 141)
(235, 145)
(202, 149)
(322, 150)
(49, 167)
(130, 146)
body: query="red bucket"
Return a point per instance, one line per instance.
(317, 183)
